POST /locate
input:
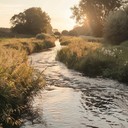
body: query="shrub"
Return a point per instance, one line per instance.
(95, 62)
(116, 27)
(64, 32)
(42, 36)
(73, 33)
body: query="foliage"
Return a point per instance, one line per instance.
(57, 33)
(65, 40)
(64, 32)
(31, 21)
(94, 12)
(17, 81)
(72, 33)
(30, 45)
(95, 59)
(82, 30)
(116, 27)
(42, 36)
(68, 57)
(76, 49)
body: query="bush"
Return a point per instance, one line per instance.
(42, 36)
(68, 57)
(18, 81)
(96, 62)
(116, 27)
(64, 32)
(72, 33)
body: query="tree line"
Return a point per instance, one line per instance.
(100, 18)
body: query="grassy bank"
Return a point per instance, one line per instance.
(30, 45)
(65, 40)
(96, 59)
(18, 80)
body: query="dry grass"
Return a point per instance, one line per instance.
(30, 45)
(18, 80)
(81, 47)
(96, 59)
(65, 40)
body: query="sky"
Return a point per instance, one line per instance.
(58, 10)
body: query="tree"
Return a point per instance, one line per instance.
(116, 27)
(94, 12)
(31, 21)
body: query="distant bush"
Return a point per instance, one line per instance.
(72, 33)
(64, 32)
(42, 36)
(116, 27)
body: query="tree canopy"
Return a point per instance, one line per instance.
(116, 27)
(94, 12)
(31, 21)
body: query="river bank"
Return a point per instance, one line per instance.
(18, 80)
(94, 58)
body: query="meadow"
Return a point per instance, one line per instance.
(18, 80)
(95, 58)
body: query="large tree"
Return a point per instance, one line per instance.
(31, 21)
(94, 12)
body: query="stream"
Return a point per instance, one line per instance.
(71, 100)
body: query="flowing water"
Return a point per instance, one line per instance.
(71, 100)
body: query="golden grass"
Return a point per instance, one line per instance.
(18, 79)
(30, 45)
(96, 59)
(81, 46)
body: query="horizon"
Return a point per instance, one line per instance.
(59, 11)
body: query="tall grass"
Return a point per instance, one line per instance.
(76, 49)
(30, 45)
(95, 59)
(65, 40)
(18, 80)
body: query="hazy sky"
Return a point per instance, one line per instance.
(58, 10)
